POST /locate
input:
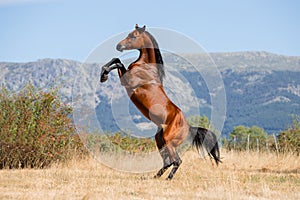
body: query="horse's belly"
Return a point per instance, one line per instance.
(152, 101)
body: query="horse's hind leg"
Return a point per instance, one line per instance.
(168, 154)
(176, 163)
(164, 153)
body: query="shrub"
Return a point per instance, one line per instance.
(119, 142)
(199, 121)
(289, 140)
(35, 128)
(242, 138)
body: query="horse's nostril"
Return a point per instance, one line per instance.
(120, 47)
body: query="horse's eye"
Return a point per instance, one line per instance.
(133, 37)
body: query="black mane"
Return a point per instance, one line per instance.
(159, 59)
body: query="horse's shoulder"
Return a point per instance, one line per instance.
(132, 65)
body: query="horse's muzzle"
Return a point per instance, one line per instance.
(120, 47)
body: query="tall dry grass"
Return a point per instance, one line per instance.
(242, 175)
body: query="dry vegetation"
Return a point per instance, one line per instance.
(37, 144)
(241, 176)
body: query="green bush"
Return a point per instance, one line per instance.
(289, 140)
(203, 122)
(199, 121)
(119, 142)
(238, 138)
(35, 129)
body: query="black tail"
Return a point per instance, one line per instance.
(203, 138)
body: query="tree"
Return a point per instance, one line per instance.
(203, 122)
(199, 121)
(243, 137)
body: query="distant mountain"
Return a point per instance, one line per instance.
(261, 88)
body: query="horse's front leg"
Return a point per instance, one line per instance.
(115, 63)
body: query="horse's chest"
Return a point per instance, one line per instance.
(139, 76)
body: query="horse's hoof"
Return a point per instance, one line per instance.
(156, 177)
(103, 78)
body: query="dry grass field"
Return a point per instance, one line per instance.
(241, 176)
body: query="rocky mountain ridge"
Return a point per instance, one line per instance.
(261, 88)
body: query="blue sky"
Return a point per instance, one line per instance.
(35, 29)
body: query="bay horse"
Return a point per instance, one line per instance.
(143, 80)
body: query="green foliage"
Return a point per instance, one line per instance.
(289, 140)
(199, 121)
(238, 138)
(35, 128)
(203, 122)
(119, 142)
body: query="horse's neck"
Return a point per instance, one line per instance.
(147, 55)
(142, 71)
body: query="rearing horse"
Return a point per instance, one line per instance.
(143, 80)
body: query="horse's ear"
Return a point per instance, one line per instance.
(140, 30)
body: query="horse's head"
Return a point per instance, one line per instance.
(137, 39)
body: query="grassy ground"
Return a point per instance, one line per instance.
(240, 176)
